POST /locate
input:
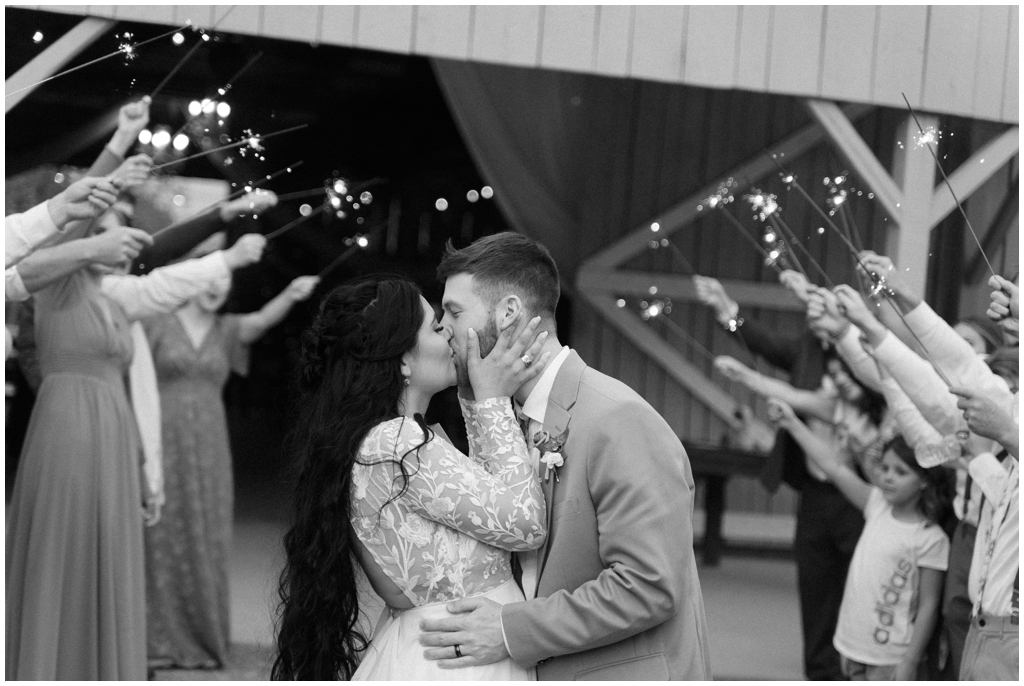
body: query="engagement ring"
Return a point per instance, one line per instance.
(527, 360)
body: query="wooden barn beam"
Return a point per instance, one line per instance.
(46, 63)
(1009, 211)
(675, 365)
(969, 176)
(914, 169)
(685, 211)
(681, 288)
(857, 153)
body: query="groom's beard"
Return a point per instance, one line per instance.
(488, 338)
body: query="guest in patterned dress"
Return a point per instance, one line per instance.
(379, 488)
(194, 350)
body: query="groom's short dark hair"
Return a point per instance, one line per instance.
(506, 263)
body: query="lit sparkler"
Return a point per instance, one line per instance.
(252, 140)
(128, 49)
(927, 138)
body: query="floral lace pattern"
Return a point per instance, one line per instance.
(448, 535)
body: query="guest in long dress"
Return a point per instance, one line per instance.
(75, 600)
(194, 350)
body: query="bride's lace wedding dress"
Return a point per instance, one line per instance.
(448, 535)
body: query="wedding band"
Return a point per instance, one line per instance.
(527, 360)
(458, 651)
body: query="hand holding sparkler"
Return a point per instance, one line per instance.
(852, 306)
(1005, 304)
(131, 120)
(734, 370)
(711, 293)
(988, 416)
(781, 414)
(254, 202)
(117, 246)
(132, 172)
(888, 277)
(301, 288)
(84, 199)
(247, 250)
(797, 283)
(823, 314)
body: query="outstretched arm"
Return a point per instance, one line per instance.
(805, 402)
(824, 454)
(251, 327)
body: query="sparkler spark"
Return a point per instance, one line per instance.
(763, 204)
(723, 196)
(655, 308)
(127, 47)
(927, 137)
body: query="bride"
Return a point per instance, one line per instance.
(379, 488)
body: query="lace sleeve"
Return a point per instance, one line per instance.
(503, 507)
(477, 427)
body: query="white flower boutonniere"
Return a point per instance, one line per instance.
(550, 448)
(552, 461)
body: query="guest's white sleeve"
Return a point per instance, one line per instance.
(990, 475)
(860, 362)
(167, 288)
(912, 425)
(145, 396)
(955, 356)
(14, 287)
(25, 232)
(921, 383)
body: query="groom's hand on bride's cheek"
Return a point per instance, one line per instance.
(474, 625)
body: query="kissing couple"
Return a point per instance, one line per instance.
(560, 548)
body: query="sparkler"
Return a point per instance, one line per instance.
(779, 223)
(177, 67)
(220, 91)
(766, 207)
(719, 201)
(129, 50)
(927, 138)
(359, 242)
(655, 309)
(236, 194)
(253, 140)
(295, 222)
(880, 286)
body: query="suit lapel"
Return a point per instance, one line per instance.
(556, 421)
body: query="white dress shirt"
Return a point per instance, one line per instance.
(536, 407)
(996, 557)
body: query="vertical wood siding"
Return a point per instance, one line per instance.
(949, 59)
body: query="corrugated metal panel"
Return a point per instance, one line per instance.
(847, 53)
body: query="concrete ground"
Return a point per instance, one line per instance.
(750, 602)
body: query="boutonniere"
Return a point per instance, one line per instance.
(550, 449)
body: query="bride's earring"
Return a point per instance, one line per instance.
(407, 382)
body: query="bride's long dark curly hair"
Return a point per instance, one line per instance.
(351, 380)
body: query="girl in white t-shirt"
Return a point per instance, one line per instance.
(893, 591)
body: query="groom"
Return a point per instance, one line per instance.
(613, 593)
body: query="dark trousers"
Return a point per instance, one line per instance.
(956, 605)
(827, 529)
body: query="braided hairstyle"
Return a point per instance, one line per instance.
(350, 380)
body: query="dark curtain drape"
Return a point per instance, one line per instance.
(522, 127)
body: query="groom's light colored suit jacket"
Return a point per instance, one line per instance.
(617, 589)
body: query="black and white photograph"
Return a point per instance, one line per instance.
(512, 342)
